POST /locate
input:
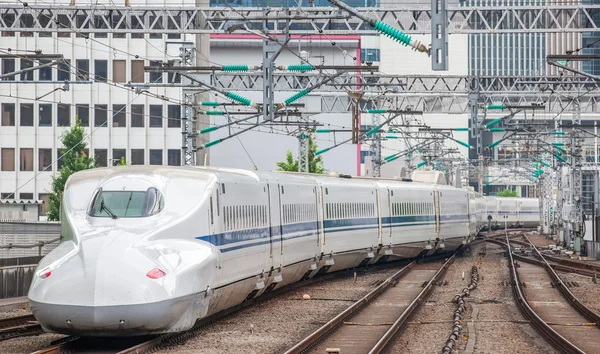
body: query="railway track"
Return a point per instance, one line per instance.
(541, 296)
(19, 326)
(371, 323)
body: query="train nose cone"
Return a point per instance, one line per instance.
(104, 290)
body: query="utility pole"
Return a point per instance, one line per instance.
(202, 59)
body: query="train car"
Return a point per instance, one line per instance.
(151, 249)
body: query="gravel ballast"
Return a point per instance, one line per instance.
(499, 326)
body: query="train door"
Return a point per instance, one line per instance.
(438, 213)
(379, 218)
(275, 223)
(320, 214)
(389, 213)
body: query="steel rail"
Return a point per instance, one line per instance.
(335, 322)
(18, 326)
(385, 340)
(567, 294)
(324, 331)
(552, 336)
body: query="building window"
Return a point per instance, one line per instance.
(45, 72)
(26, 196)
(119, 71)
(174, 157)
(45, 116)
(45, 197)
(119, 116)
(63, 115)
(100, 115)
(137, 115)
(83, 69)
(370, 54)
(174, 116)
(10, 196)
(173, 77)
(101, 157)
(100, 70)
(83, 114)
(64, 70)
(8, 66)
(59, 158)
(117, 155)
(156, 157)
(137, 156)
(8, 159)
(156, 115)
(45, 159)
(27, 114)
(137, 71)
(156, 76)
(8, 114)
(26, 64)
(26, 159)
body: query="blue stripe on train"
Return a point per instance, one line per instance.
(305, 229)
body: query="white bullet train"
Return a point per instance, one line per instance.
(151, 249)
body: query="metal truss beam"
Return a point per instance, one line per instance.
(443, 94)
(414, 18)
(252, 81)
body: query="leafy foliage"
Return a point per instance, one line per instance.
(74, 159)
(315, 163)
(507, 193)
(122, 162)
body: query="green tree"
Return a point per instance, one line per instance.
(122, 162)
(507, 193)
(74, 159)
(315, 163)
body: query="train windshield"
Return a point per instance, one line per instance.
(127, 204)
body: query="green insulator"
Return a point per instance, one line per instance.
(376, 111)
(296, 97)
(374, 130)
(559, 133)
(393, 159)
(301, 67)
(214, 142)
(495, 143)
(464, 144)
(211, 104)
(238, 98)
(421, 164)
(494, 122)
(461, 129)
(392, 32)
(486, 183)
(215, 113)
(323, 130)
(235, 68)
(558, 144)
(389, 157)
(391, 137)
(534, 165)
(409, 154)
(208, 130)
(321, 151)
(496, 130)
(560, 158)
(496, 106)
(560, 149)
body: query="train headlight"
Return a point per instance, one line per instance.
(45, 273)
(155, 273)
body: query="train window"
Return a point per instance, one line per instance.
(282, 190)
(223, 188)
(127, 204)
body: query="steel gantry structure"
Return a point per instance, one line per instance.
(411, 18)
